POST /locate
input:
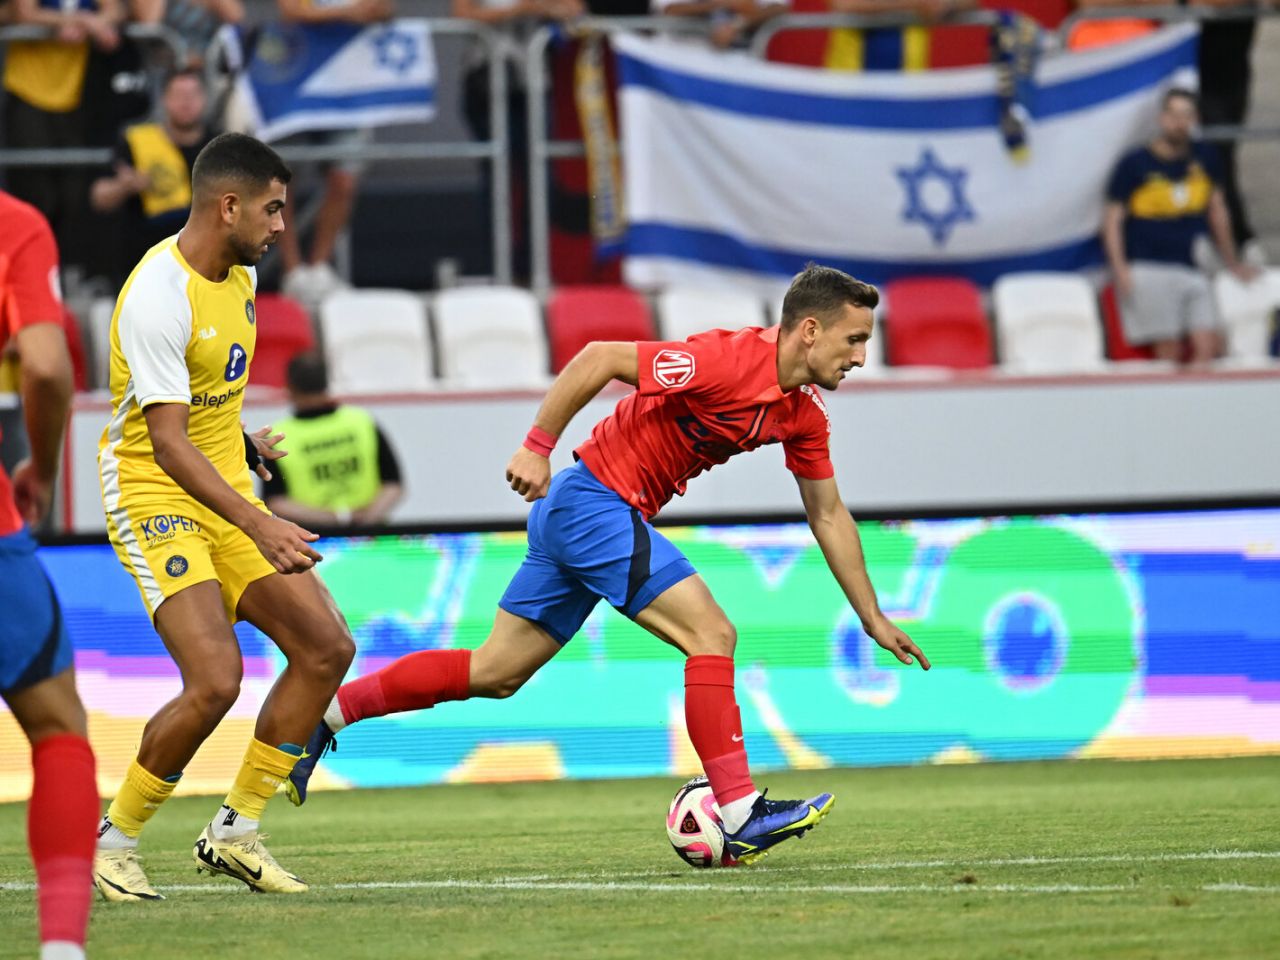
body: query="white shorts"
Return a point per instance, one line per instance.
(1169, 301)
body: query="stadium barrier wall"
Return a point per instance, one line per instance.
(1056, 636)
(899, 446)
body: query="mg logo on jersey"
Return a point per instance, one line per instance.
(248, 311)
(237, 361)
(673, 368)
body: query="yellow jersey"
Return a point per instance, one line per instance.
(177, 337)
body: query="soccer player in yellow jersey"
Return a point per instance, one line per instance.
(185, 523)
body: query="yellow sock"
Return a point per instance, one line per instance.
(263, 770)
(139, 798)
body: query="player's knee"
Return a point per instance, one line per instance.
(498, 687)
(717, 639)
(216, 692)
(492, 681)
(330, 658)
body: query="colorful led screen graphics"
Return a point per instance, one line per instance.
(1122, 635)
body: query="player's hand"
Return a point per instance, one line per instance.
(286, 545)
(896, 642)
(1245, 272)
(529, 474)
(265, 443)
(32, 494)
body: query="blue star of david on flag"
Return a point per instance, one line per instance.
(396, 51)
(937, 210)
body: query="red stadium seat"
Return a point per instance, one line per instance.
(578, 315)
(284, 331)
(75, 347)
(1118, 348)
(937, 322)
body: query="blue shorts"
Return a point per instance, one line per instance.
(34, 645)
(585, 543)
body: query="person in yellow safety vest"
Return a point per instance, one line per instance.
(340, 471)
(151, 182)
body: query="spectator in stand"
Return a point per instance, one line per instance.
(196, 21)
(1163, 196)
(340, 471)
(514, 21)
(44, 80)
(731, 20)
(311, 278)
(1226, 74)
(152, 180)
(889, 48)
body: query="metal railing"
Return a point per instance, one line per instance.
(495, 150)
(542, 149)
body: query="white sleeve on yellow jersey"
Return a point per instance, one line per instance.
(155, 328)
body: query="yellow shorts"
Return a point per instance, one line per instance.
(173, 544)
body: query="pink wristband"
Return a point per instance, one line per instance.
(540, 442)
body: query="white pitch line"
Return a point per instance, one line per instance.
(500, 886)
(626, 881)
(1210, 855)
(1240, 888)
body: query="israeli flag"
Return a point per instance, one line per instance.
(339, 76)
(738, 172)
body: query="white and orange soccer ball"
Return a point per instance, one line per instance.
(694, 827)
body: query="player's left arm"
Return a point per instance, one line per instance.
(35, 323)
(837, 535)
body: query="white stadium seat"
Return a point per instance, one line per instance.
(684, 311)
(490, 338)
(375, 341)
(1048, 323)
(98, 332)
(1247, 311)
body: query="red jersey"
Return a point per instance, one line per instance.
(29, 294)
(697, 404)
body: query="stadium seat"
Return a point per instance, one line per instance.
(284, 331)
(1248, 312)
(1118, 348)
(97, 329)
(375, 341)
(75, 349)
(578, 315)
(684, 311)
(936, 322)
(1048, 323)
(490, 337)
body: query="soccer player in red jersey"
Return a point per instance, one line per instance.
(697, 403)
(37, 679)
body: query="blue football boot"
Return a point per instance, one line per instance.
(321, 742)
(773, 821)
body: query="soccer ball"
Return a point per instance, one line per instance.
(694, 828)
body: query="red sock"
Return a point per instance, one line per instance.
(62, 829)
(715, 726)
(414, 682)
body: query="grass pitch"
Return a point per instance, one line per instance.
(1072, 860)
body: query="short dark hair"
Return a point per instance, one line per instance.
(173, 75)
(1179, 93)
(820, 291)
(238, 158)
(307, 373)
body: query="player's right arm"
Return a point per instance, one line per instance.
(154, 328)
(285, 545)
(588, 373)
